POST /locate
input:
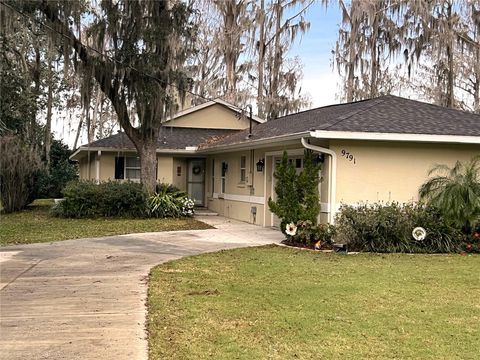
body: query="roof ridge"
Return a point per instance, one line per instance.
(375, 101)
(322, 107)
(433, 105)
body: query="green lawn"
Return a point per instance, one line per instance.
(35, 225)
(281, 303)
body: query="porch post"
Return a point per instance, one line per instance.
(97, 175)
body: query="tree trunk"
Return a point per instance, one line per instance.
(476, 85)
(373, 55)
(451, 78)
(48, 126)
(351, 56)
(261, 59)
(277, 61)
(79, 129)
(147, 152)
(231, 46)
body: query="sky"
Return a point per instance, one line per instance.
(320, 80)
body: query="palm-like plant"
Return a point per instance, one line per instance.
(455, 191)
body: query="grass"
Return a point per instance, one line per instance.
(281, 303)
(35, 225)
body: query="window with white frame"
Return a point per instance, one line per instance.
(132, 168)
(243, 168)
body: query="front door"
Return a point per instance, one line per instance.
(297, 162)
(196, 181)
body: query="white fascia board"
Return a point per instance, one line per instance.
(353, 135)
(255, 144)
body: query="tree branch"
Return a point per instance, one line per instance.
(101, 69)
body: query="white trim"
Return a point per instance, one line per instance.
(376, 136)
(241, 198)
(324, 207)
(332, 174)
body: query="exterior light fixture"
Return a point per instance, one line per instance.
(319, 159)
(260, 165)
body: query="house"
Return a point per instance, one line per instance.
(373, 150)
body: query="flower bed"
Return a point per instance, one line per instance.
(305, 234)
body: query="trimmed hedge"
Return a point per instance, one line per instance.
(83, 199)
(388, 228)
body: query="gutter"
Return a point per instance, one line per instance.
(332, 182)
(250, 143)
(376, 136)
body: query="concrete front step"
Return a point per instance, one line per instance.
(205, 212)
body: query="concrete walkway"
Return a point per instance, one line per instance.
(85, 299)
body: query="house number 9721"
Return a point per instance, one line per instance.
(349, 156)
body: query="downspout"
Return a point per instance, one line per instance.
(332, 184)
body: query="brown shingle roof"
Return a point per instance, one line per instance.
(386, 114)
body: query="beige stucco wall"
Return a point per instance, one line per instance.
(213, 117)
(239, 198)
(164, 169)
(390, 171)
(180, 181)
(87, 167)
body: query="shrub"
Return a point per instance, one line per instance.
(297, 195)
(51, 182)
(308, 234)
(19, 167)
(168, 188)
(388, 228)
(307, 185)
(456, 192)
(287, 206)
(169, 202)
(109, 199)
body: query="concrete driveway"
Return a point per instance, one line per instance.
(85, 299)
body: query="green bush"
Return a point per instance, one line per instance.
(168, 188)
(169, 202)
(108, 199)
(297, 194)
(51, 181)
(19, 167)
(308, 234)
(388, 228)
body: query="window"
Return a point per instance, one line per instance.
(213, 176)
(119, 167)
(179, 171)
(243, 170)
(224, 172)
(132, 168)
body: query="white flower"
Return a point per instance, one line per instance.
(419, 233)
(291, 229)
